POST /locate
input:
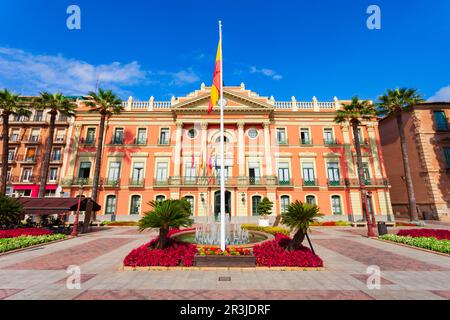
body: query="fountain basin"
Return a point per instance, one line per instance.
(255, 237)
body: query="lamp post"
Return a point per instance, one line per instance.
(370, 232)
(369, 197)
(75, 223)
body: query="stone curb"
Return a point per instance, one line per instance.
(125, 268)
(35, 246)
(413, 247)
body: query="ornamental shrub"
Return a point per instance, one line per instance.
(10, 211)
(439, 234)
(274, 254)
(270, 230)
(14, 233)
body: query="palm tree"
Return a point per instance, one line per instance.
(353, 114)
(299, 216)
(165, 215)
(54, 103)
(106, 103)
(10, 104)
(394, 104)
(10, 212)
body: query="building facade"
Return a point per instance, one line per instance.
(27, 145)
(427, 132)
(285, 151)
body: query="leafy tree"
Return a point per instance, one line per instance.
(10, 212)
(265, 207)
(54, 104)
(395, 103)
(10, 104)
(353, 114)
(165, 215)
(105, 103)
(298, 217)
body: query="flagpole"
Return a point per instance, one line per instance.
(222, 160)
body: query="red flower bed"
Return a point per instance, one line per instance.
(329, 224)
(439, 234)
(178, 254)
(230, 251)
(14, 233)
(274, 254)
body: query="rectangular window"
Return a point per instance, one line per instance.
(336, 205)
(60, 134)
(333, 173)
(31, 154)
(285, 201)
(138, 172)
(141, 136)
(85, 170)
(53, 174)
(162, 172)
(305, 137)
(447, 156)
(34, 136)
(118, 136)
(114, 172)
(24, 193)
(50, 193)
(441, 121)
(90, 136)
(14, 135)
(328, 137)
(309, 177)
(283, 173)
(110, 204)
(26, 175)
(164, 136)
(281, 136)
(254, 173)
(189, 173)
(56, 154)
(11, 154)
(39, 116)
(366, 173)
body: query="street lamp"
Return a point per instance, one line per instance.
(370, 232)
(75, 223)
(369, 197)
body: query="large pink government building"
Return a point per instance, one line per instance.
(282, 150)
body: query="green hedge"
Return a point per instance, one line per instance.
(429, 243)
(9, 244)
(269, 230)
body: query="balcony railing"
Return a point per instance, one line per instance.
(33, 140)
(133, 182)
(140, 142)
(26, 159)
(306, 142)
(330, 142)
(215, 181)
(336, 183)
(77, 181)
(310, 183)
(163, 142)
(110, 182)
(87, 142)
(116, 142)
(284, 182)
(368, 182)
(24, 179)
(283, 141)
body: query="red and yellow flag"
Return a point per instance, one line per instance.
(215, 89)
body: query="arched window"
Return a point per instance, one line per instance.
(311, 199)
(191, 201)
(336, 205)
(135, 206)
(160, 198)
(111, 202)
(255, 201)
(285, 201)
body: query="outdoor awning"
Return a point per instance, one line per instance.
(53, 205)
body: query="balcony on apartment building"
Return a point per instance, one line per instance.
(87, 142)
(23, 158)
(33, 140)
(25, 179)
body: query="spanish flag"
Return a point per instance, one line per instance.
(215, 89)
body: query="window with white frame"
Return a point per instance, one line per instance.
(111, 203)
(118, 136)
(283, 173)
(305, 136)
(141, 136)
(135, 205)
(160, 198)
(14, 137)
(34, 135)
(311, 199)
(164, 136)
(114, 172)
(256, 200)
(26, 174)
(328, 136)
(53, 174)
(84, 169)
(308, 172)
(138, 172)
(190, 173)
(333, 172)
(162, 171)
(285, 201)
(191, 201)
(254, 172)
(56, 154)
(60, 134)
(281, 136)
(336, 205)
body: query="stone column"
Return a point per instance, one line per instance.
(267, 149)
(241, 148)
(177, 157)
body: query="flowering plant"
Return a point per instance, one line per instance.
(230, 251)
(439, 234)
(273, 253)
(14, 233)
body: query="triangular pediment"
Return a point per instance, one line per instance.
(235, 101)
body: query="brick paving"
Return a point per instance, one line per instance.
(406, 273)
(368, 255)
(74, 256)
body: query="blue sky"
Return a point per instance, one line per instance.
(281, 48)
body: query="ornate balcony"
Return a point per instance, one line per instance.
(136, 183)
(110, 183)
(336, 183)
(33, 140)
(26, 159)
(310, 183)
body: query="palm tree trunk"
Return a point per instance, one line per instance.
(297, 241)
(407, 170)
(5, 136)
(359, 164)
(48, 151)
(163, 241)
(95, 182)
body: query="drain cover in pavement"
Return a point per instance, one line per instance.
(224, 278)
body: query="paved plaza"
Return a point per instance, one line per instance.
(406, 273)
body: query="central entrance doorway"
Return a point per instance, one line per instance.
(217, 204)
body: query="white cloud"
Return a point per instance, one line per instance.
(266, 72)
(28, 73)
(181, 78)
(443, 95)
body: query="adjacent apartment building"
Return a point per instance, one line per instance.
(283, 150)
(27, 144)
(427, 131)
